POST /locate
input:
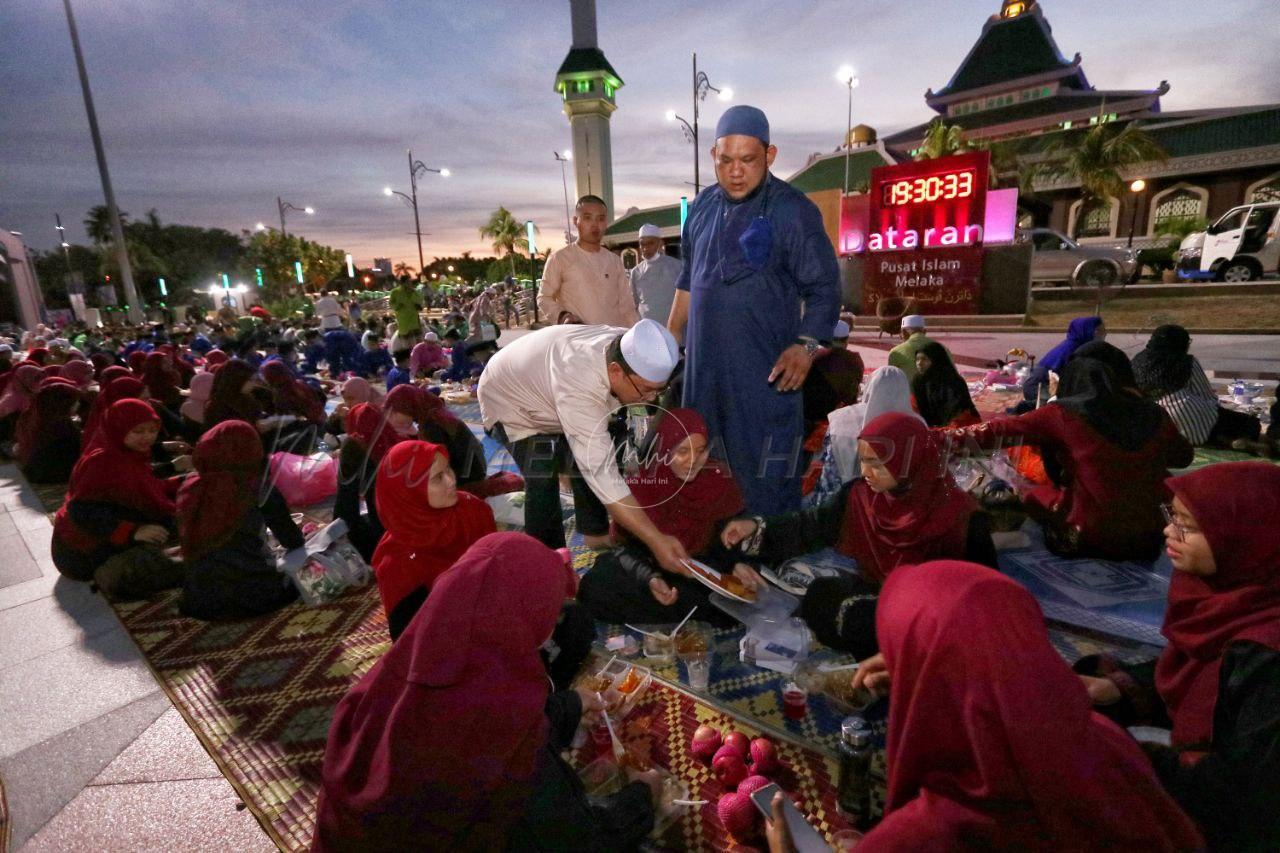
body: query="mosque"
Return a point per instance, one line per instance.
(1016, 86)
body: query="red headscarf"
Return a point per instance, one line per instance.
(123, 388)
(926, 517)
(54, 403)
(161, 378)
(137, 360)
(211, 505)
(214, 357)
(110, 372)
(367, 425)
(112, 473)
(101, 361)
(421, 541)
(686, 509)
(21, 389)
(38, 356)
(292, 396)
(52, 371)
(992, 741)
(428, 408)
(438, 742)
(78, 371)
(1236, 505)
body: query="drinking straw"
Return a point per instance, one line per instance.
(618, 751)
(606, 666)
(646, 633)
(682, 621)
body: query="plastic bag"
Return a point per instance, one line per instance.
(327, 566)
(304, 480)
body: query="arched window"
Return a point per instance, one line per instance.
(630, 258)
(1098, 221)
(1180, 203)
(1268, 189)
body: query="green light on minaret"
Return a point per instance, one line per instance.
(297, 268)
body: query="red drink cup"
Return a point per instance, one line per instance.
(795, 701)
(600, 737)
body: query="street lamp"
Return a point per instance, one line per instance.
(284, 206)
(701, 86)
(563, 158)
(848, 77)
(416, 169)
(260, 226)
(1136, 188)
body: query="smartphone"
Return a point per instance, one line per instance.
(803, 835)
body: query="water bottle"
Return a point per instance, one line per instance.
(853, 792)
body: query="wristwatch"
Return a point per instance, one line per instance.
(810, 345)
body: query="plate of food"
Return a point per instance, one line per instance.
(721, 582)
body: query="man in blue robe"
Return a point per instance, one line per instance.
(759, 293)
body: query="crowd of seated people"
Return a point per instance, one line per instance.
(993, 742)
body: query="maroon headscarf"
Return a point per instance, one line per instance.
(214, 357)
(161, 379)
(689, 510)
(112, 371)
(101, 361)
(38, 356)
(421, 541)
(925, 518)
(137, 360)
(468, 663)
(992, 741)
(21, 389)
(54, 404)
(122, 388)
(226, 400)
(79, 371)
(1236, 505)
(292, 396)
(211, 505)
(368, 427)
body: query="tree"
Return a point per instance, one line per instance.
(403, 269)
(506, 234)
(98, 224)
(941, 140)
(1098, 158)
(277, 255)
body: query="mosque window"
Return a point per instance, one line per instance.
(1097, 221)
(1179, 206)
(1268, 190)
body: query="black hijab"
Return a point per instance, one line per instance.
(227, 402)
(1165, 365)
(1113, 357)
(1090, 390)
(941, 392)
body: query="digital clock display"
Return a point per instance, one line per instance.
(929, 189)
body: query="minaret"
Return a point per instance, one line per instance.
(588, 84)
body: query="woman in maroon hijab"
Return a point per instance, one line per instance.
(991, 743)
(905, 509)
(1217, 683)
(686, 495)
(451, 741)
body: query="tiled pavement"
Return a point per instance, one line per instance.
(92, 754)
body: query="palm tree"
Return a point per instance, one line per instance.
(506, 234)
(1098, 159)
(941, 140)
(403, 269)
(98, 224)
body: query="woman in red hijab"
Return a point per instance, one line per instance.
(47, 437)
(137, 362)
(290, 395)
(372, 430)
(429, 525)
(213, 358)
(161, 379)
(114, 502)
(1217, 683)
(905, 509)
(80, 372)
(38, 356)
(121, 388)
(452, 740)
(991, 743)
(18, 395)
(686, 495)
(221, 514)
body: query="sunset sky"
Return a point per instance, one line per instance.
(212, 108)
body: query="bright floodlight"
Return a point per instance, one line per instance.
(450, 267)
(444, 173)
(260, 227)
(726, 94)
(671, 115)
(847, 76)
(310, 210)
(387, 191)
(1138, 186)
(66, 245)
(568, 154)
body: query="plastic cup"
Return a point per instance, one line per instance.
(600, 737)
(845, 840)
(795, 701)
(659, 648)
(699, 669)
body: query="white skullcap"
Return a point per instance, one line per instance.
(431, 336)
(841, 330)
(913, 321)
(650, 230)
(650, 350)
(5, 348)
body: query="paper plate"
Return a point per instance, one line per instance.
(707, 576)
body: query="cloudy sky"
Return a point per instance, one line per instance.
(212, 108)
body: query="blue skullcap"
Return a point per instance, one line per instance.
(743, 120)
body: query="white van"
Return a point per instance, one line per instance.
(1243, 245)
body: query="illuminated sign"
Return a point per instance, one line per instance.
(929, 204)
(942, 187)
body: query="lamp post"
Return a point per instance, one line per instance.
(416, 169)
(1136, 188)
(284, 206)
(565, 158)
(530, 229)
(848, 77)
(113, 212)
(701, 85)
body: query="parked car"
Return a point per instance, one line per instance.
(1058, 258)
(1241, 246)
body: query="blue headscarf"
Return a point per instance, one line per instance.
(1079, 333)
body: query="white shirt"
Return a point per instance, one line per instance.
(329, 313)
(653, 282)
(591, 285)
(555, 382)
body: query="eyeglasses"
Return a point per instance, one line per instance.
(645, 395)
(1172, 521)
